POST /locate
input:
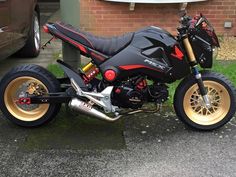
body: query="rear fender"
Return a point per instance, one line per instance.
(73, 74)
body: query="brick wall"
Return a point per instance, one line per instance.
(109, 18)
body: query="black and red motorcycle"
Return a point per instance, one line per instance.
(135, 69)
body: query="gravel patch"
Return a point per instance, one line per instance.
(227, 49)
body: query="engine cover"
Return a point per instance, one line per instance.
(126, 97)
(158, 93)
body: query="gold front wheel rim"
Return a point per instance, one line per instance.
(12, 94)
(196, 110)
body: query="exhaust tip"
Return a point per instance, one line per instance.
(83, 107)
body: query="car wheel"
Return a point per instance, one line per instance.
(32, 46)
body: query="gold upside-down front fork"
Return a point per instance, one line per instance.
(197, 74)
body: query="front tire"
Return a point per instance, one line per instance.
(23, 81)
(191, 109)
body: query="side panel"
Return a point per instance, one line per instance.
(132, 62)
(172, 52)
(153, 52)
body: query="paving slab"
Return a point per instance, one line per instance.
(46, 57)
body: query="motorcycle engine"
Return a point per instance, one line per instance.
(158, 93)
(134, 92)
(128, 95)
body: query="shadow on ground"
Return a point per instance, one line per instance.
(70, 132)
(65, 132)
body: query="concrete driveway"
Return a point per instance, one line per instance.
(142, 145)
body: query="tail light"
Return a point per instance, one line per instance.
(45, 29)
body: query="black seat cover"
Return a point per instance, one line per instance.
(107, 46)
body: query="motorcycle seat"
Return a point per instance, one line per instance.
(107, 46)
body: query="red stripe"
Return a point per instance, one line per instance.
(75, 33)
(129, 67)
(97, 56)
(81, 47)
(178, 54)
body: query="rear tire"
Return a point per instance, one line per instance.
(190, 107)
(15, 84)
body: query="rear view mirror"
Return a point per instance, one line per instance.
(183, 6)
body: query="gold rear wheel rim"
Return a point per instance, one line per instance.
(11, 96)
(196, 109)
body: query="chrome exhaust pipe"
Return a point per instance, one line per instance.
(81, 106)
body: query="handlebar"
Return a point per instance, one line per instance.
(185, 20)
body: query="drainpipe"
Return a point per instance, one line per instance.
(70, 13)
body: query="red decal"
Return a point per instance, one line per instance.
(82, 48)
(129, 67)
(178, 53)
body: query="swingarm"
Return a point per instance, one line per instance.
(51, 98)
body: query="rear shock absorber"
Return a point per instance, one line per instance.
(87, 67)
(91, 71)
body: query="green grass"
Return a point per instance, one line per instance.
(56, 70)
(228, 68)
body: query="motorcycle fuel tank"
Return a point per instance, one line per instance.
(153, 52)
